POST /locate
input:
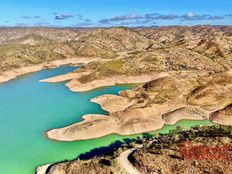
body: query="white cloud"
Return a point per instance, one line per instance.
(190, 14)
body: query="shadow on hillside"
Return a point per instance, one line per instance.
(106, 150)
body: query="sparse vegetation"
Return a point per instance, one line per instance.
(144, 51)
(113, 67)
(155, 147)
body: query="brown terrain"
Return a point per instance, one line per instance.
(165, 158)
(180, 72)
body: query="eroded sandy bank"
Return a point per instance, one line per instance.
(124, 119)
(165, 99)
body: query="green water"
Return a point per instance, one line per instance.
(29, 108)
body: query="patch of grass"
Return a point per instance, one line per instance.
(114, 67)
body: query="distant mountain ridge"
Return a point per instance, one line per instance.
(21, 47)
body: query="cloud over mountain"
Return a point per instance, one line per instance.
(153, 17)
(31, 17)
(121, 18)
(63, 16)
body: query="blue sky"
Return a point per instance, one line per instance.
(90, 13)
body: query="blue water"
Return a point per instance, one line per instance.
(28, 108)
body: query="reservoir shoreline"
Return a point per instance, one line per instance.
(8, 75)
(75, 150)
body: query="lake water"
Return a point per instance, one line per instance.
(28, 108)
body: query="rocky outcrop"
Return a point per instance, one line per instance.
(222, 116)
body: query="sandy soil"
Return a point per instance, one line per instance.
(75, 86)
(64, 77)
(92, 126)
(187, 113)
(112, 103)
(42, 169)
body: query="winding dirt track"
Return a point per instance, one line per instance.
(125, 163)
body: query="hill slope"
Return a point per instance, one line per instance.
(170, 48)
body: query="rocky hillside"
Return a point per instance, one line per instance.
(162, 155)
(158, 154)
(142, 50)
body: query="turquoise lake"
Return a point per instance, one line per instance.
(28, 108)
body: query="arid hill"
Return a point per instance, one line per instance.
(164, 48)
(182, 72)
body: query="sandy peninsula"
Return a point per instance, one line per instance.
(76, 86)
(8, 75)
(166, 99)
(123, 123)
(123, 119)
